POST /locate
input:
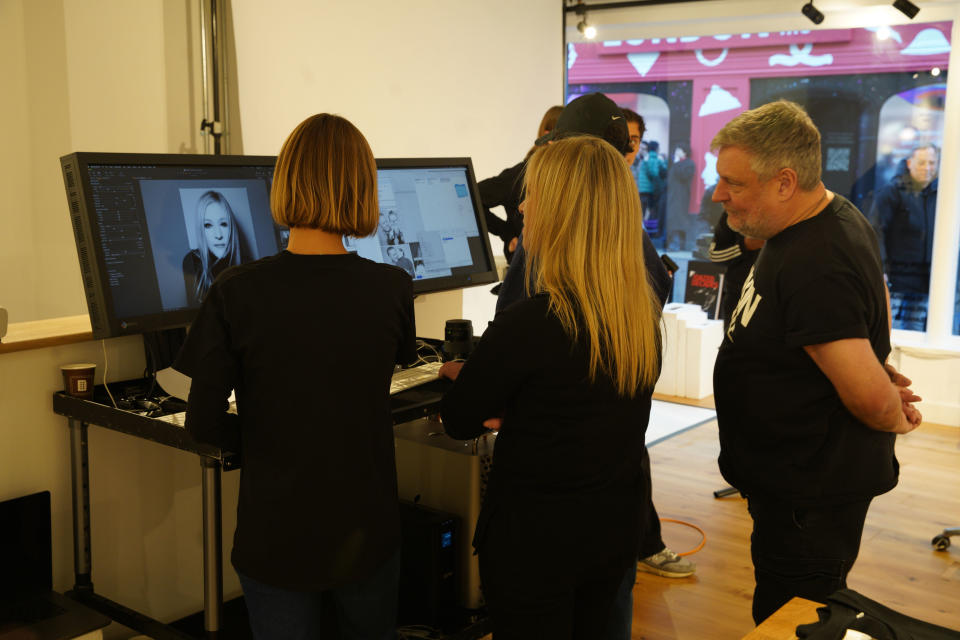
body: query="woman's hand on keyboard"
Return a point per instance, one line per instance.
(450, 370)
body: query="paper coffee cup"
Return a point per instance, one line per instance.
(78, 379)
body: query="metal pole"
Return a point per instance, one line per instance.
(80, 477)
(215, 44)
(224, 71)
(203, 65)
(212, 546)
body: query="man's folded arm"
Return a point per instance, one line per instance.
(862, 383)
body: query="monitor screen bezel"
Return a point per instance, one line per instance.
(97, 289)
(134, 325)
(461, 280)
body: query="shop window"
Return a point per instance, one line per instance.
(877, 96)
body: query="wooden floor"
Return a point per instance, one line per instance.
(897, 565)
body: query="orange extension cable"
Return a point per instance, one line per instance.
(703, 536)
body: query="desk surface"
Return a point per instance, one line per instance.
(783, 623)
(98, 411)
(406, 406)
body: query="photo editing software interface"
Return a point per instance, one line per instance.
(163, 230)
(154, 231)
(431, 224)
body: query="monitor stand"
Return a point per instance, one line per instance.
(161, 349)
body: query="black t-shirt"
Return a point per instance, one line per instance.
(569, 451)
(784, 432)
(309, 342)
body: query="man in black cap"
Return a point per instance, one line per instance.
(595, 114)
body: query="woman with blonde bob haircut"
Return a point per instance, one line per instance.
(309, 338)
(572, 404)
(326, 178)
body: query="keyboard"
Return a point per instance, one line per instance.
(177, 419)
(401, 381)
(414, 376)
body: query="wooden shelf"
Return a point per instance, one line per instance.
(39, 334)
(705, 403)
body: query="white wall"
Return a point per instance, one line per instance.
(424, 78)
(114, 75)
(420, 79)
(80, 75)
(145, 498)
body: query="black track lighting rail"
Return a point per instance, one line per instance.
(600, 6)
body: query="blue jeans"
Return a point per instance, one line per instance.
(362, 611)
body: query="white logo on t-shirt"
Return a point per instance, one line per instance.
(746, 306)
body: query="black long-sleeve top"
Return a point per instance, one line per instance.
(565, 444)
(506, 190)
(310, 361)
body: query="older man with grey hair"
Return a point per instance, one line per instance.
(808, 411)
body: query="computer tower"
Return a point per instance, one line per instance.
(429, 579)
(449, 475)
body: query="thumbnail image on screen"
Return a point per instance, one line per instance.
(198, 228)
(430, 226)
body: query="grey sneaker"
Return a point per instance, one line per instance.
(668, 564)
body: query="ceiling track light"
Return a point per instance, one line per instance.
(814, 14)
(586, 29)
(907, 8)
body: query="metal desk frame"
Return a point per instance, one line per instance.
(81, 413)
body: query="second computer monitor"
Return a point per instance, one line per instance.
(431, 224)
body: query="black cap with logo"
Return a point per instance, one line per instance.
(593, 114)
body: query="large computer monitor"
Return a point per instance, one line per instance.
(431, 224)
(138, 220)
(141, 222)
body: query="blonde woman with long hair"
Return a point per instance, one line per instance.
(560, 523)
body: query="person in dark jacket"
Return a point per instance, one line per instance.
(506, 190)
(567, 474)
(679, 182)
(595, 114)
(903, 214)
